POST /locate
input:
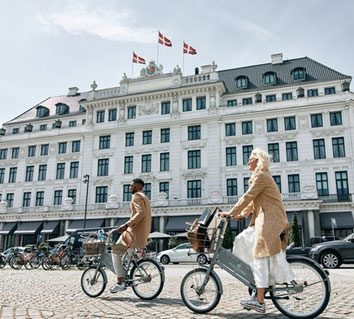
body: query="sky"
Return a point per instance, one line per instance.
(49, 46)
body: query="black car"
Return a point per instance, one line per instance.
(334, 253)
(305, 251)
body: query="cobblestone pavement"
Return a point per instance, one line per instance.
(58, 294)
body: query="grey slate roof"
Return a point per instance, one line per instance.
(315, 72)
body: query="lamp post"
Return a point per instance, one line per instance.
(87, 182)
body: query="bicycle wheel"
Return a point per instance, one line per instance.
(65, 262)
(93, 281)
(196, 298)
(147, 278)
(35, 262)
(28, 265)
(45, 263)
(16, 262)
(310, 295)
(2, 262)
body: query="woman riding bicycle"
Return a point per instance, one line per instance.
(268, 233)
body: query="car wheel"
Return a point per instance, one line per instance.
(330, 260)
(165, 259)
(202, 259)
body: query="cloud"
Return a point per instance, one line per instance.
(110, 25)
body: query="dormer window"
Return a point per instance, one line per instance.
(299, 74)
(42, 111)
(82, 109)
(61, 109)
(242, 82)
(269, 78)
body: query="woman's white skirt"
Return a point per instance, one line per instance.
(267, 271)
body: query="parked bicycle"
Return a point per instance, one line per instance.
(145, 275)
(72, 258)
(22, 259)
(2, 261)
(52, 261)
(201, 288)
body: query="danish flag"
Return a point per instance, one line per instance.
(187, 49)
(164, 41)
(138, 59)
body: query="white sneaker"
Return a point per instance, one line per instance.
(117, 287)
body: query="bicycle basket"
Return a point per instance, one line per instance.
(93, 246)
(197, 237)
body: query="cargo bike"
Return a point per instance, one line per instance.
(201, 288)
(144, 275)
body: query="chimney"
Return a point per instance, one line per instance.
(277, 58)
(196, 71)
(73, 91)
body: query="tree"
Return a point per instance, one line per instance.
(227, 242)
(294, 232)
(174, 241)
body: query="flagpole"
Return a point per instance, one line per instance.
(132, 68)
(157, 58)
(183, 58)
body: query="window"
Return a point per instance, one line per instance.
(289, 123)
(100, 117)
(131, 112)
(147, 137)
(58, 197)
(112, 115)
(15, 152)
(12, 174)
(272, 125)
(129, 139)
(105, 142)
(147, 190)
(74, 169)
(187, 105)
(101, 194)
(201, 103)
(338, 147)
(39, 198)
(83, 122)
(294, 183)
(26, 199)
(102, 167)
(42, 172)
(319, 149)
(230, 156)
(15, 130)
(165, 135)
(128, 165)
(247, 128)
(322, 184)
(146, 163)
(273, 150)
(61, 109)
(165, 107)
(72, 123)
(194, 189)
(231, 103)
(194, 132)
(271, 98)
(286, 96)
(299, 74)
(245, 184)
(43, 127)
(127, 195)
(10, 199)
(42, 111)
(316, 120)
(269, 78)
(75, 146)
(335, 118)
(60, 170)
(312, 93)
(44, 149)
(3, 154)
(2, 175)
(230, 129)
(193, 159)
(291, 151)
(32, 151)
(62, 147)
(231, 186)
(241, 82)
(72, 195)
(164, 161)
(342, 185)
(165, 187)
(246, 151)
(331, 90)
(29, 173)
(277, 181)
(247, 100)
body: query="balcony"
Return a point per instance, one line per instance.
(335, 198)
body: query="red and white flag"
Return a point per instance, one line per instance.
(187, 49)
(138, 59)
(164, 41)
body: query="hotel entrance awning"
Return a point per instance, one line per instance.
(8, 229)
(79, 224)
(343, 220)
(28, 228)
(51, 228)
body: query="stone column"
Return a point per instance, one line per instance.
(311, 223)
(162, 230)
(317, 223)
(2, 239)
(66, 226)
(305, 228)
(62, 228)
(112, 222)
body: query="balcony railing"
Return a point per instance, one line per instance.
(334, 198)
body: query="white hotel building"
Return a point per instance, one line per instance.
(188, 138)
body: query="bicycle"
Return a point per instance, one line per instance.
(144, 275)
(70, 258)
(22, 259)
(2, 261)
(201, 288)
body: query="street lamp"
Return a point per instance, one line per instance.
(87, 182)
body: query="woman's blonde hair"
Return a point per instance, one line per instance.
(263, 158)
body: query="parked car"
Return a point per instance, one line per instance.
(183, 253)
(334, 253)
(8, 253)
(305, 251)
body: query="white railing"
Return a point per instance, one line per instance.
(196, 78)
(101, 94)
